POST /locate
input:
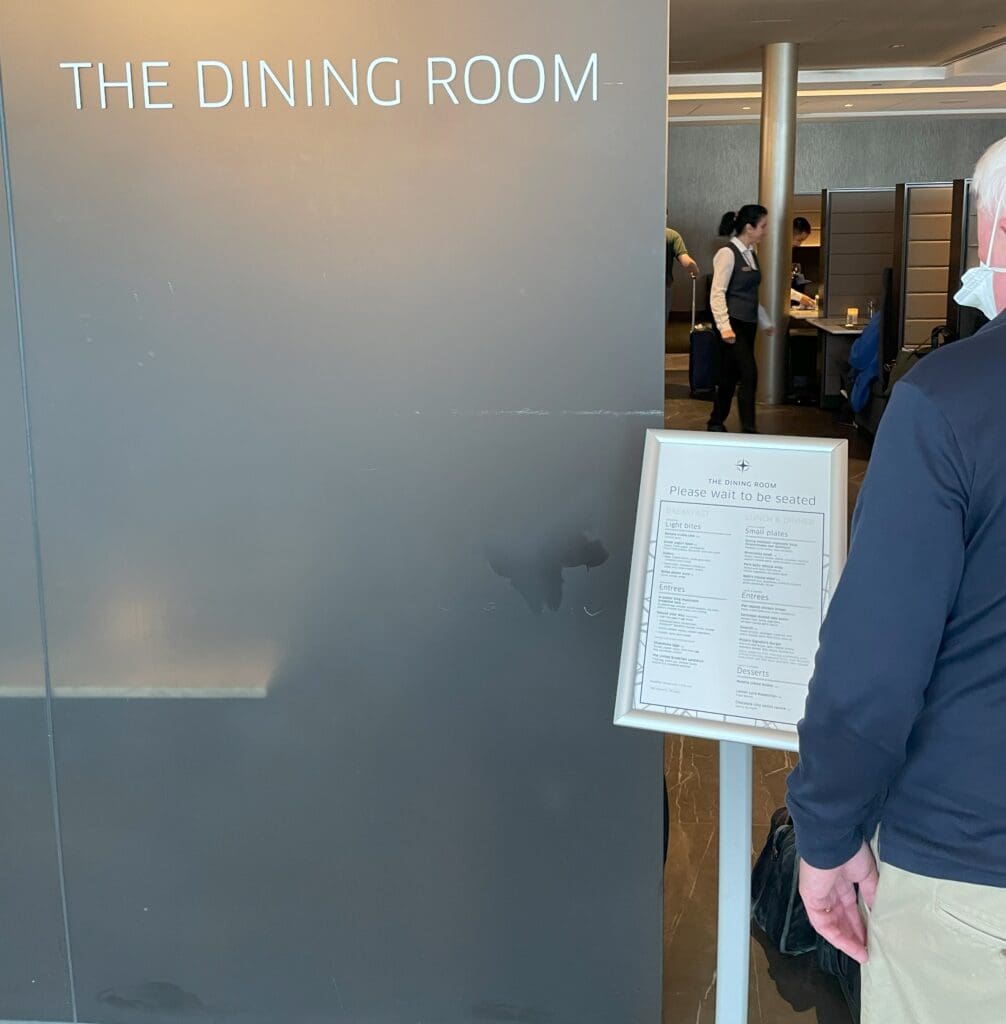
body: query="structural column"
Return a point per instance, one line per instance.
(775, 191)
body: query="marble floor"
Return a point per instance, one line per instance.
(782, 989)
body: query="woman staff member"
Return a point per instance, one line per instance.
(734, 302)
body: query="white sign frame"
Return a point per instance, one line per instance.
(660, 448)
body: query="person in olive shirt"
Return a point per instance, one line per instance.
(676, 250)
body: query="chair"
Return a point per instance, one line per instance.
(868, 418)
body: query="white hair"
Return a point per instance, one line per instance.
(988, 183)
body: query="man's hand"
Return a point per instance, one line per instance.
(806, 302)
(690, 265)
(728, 336)
(830, 899)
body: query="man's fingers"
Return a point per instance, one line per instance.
(853, 934)
(841, 931)
(850, 945)
(852, 922)
(826, 926)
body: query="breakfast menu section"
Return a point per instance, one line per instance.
(737, 588)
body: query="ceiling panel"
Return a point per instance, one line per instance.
(727, 35)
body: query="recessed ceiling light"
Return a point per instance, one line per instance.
(896, 46)
(745, 108)
(847, 105)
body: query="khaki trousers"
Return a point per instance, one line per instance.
(937, 952)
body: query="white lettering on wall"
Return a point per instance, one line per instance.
(75, 66)
(436, 65)
(201, 66)
(445, 82)
(482, 83)
(590, 70)
(104, 85)
(494, 64)
(538, 63)
(329, 72)
(149, 84)
(288, 94)
(374, 64)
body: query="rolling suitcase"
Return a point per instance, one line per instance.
(703, 358)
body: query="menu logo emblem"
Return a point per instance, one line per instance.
(743, 465)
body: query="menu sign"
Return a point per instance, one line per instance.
(739, 543)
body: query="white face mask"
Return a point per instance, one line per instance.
(978, 284)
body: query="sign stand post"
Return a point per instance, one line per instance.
(733, 933)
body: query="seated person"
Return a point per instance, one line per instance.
(801, 232)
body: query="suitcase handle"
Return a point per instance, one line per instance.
(693, 303)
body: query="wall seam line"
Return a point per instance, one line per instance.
(37, 543)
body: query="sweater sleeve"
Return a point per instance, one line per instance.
(892, 603)
(723, 265)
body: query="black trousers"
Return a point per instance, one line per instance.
(738, 372)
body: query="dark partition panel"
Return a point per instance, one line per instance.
(963, 321)
(34, 981)
(339, 410)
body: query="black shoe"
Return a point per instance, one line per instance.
(716, 427)
(749, 430)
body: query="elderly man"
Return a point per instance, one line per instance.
(900, 792)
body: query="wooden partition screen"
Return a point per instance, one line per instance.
(922, 259)
(857, 241)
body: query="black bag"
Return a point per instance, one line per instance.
(703, 358)
(841, 966)
(778, 910)
(908, 357)
(775, 897)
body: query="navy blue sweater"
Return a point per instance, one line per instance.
(905, 720)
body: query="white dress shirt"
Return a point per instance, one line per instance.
(723, 268)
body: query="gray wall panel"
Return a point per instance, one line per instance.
(343, 410)
(408, 817)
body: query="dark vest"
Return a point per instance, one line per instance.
(742, 291)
